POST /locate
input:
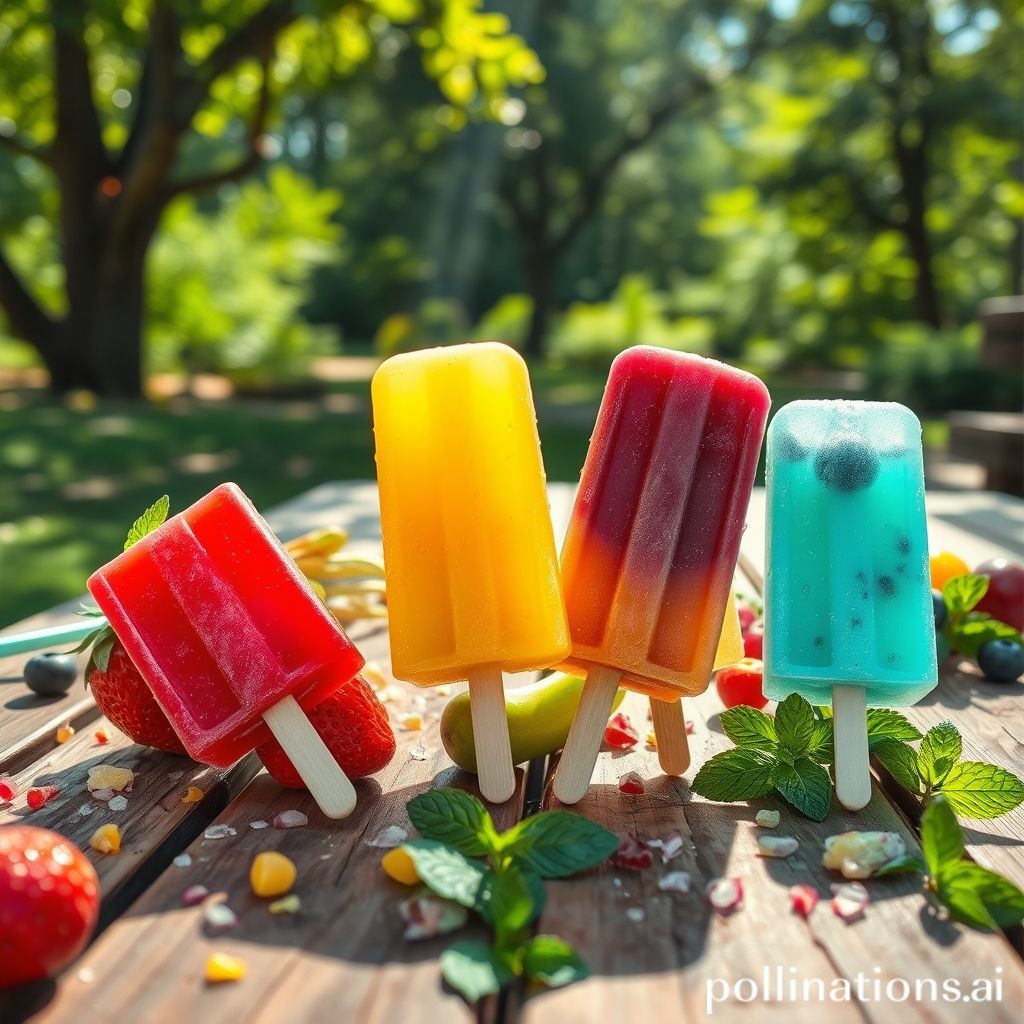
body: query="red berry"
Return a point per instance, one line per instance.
(8, 789)
(1004, 599)
(742, 684)
(747, 616)
(619, 732)
(753, 641)
(632, 783)
(632, 854)
(40, 795)
(126, 700)
(355, 727)
(49, 903)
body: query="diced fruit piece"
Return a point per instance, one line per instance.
(50, 674)
(742, 683)
(129, 704)
(192, 795)
(411, 721)
(224, 967)
(632, 854)
(8, 789)
(860, 854)
(747, 616)
(102, 736)
(353, 724)
(1002, 661)
(50, 900)
(725, 894)
(849, 900)
(804, 899)
(939, 609)
(219, 917)
(619, 732)
(946, 566)
(65, 732)
(271, 874)
(194, 895)
(776, 846)
(110, 776)
(651, 740)
(286, 905)
(632, 783)
(753, 641)
(290, 819)
(767, 818)
(106, 839)
(39, 795)
(427, 915)
(1004, 599)
(397, 864)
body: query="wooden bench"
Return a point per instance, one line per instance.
(342, 958)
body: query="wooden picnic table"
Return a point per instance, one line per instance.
(342, 958)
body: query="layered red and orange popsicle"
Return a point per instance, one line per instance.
(648, 560)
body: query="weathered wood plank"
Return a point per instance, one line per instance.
(341, 958)
(989, 716)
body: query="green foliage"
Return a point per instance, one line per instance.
(435, 322)
(226, 289)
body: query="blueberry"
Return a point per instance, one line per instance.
(846, 463)
(1002, 661)
(50, 674)
(939, 608)
(787, 447)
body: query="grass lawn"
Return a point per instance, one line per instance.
(75, 479)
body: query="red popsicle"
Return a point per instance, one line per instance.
(231, 638)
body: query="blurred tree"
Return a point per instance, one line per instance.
(130, 105)
(619, 75)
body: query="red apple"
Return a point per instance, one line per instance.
(1004, 599)
(741, 684)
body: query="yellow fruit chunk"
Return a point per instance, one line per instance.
(271, 874)
(397, 864)
(110, 776)
(65, 732)
(287, 905)
(193, 796)
(106, 839)
(652, 739)
(946, 566)
(224, 967)
(412, 722)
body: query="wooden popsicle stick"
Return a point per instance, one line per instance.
(48, 636)
(495, 774)
(584, 743)
(328, 784)
(849, 723)
(670, 736)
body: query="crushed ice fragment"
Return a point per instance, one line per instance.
(258, 824)
(219, 916)
(219, 832)
(675, 881)
(767, 819)
(388, 838)
(183, 860)
(117, 803)
(635, 914)
(290, 819)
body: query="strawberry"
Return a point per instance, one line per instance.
(49, 903)
(124, 697)
(355, 727)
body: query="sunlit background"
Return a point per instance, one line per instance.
(233, 210)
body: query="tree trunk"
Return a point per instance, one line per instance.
(926, 293)
(537, 270)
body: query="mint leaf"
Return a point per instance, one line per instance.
(556, 844)
(447, 872)
(956, 887)
(978, 790)
(962, 593)
(900, 760)
(508, 901)
(473, 970)
(979, 897)
(740, 774)
(901, 866)
(821, 748)
(794, 722)
(454, 817)
(153, 517)
(553, 962)
(748, 727)
(806, 785)
(940, 750)
(942, 840)
(884, 723)
(977, 629)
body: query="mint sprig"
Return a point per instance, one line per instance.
(154, 516)
(967, 630)
(462, 857)
(972, 894)
(785, 755)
